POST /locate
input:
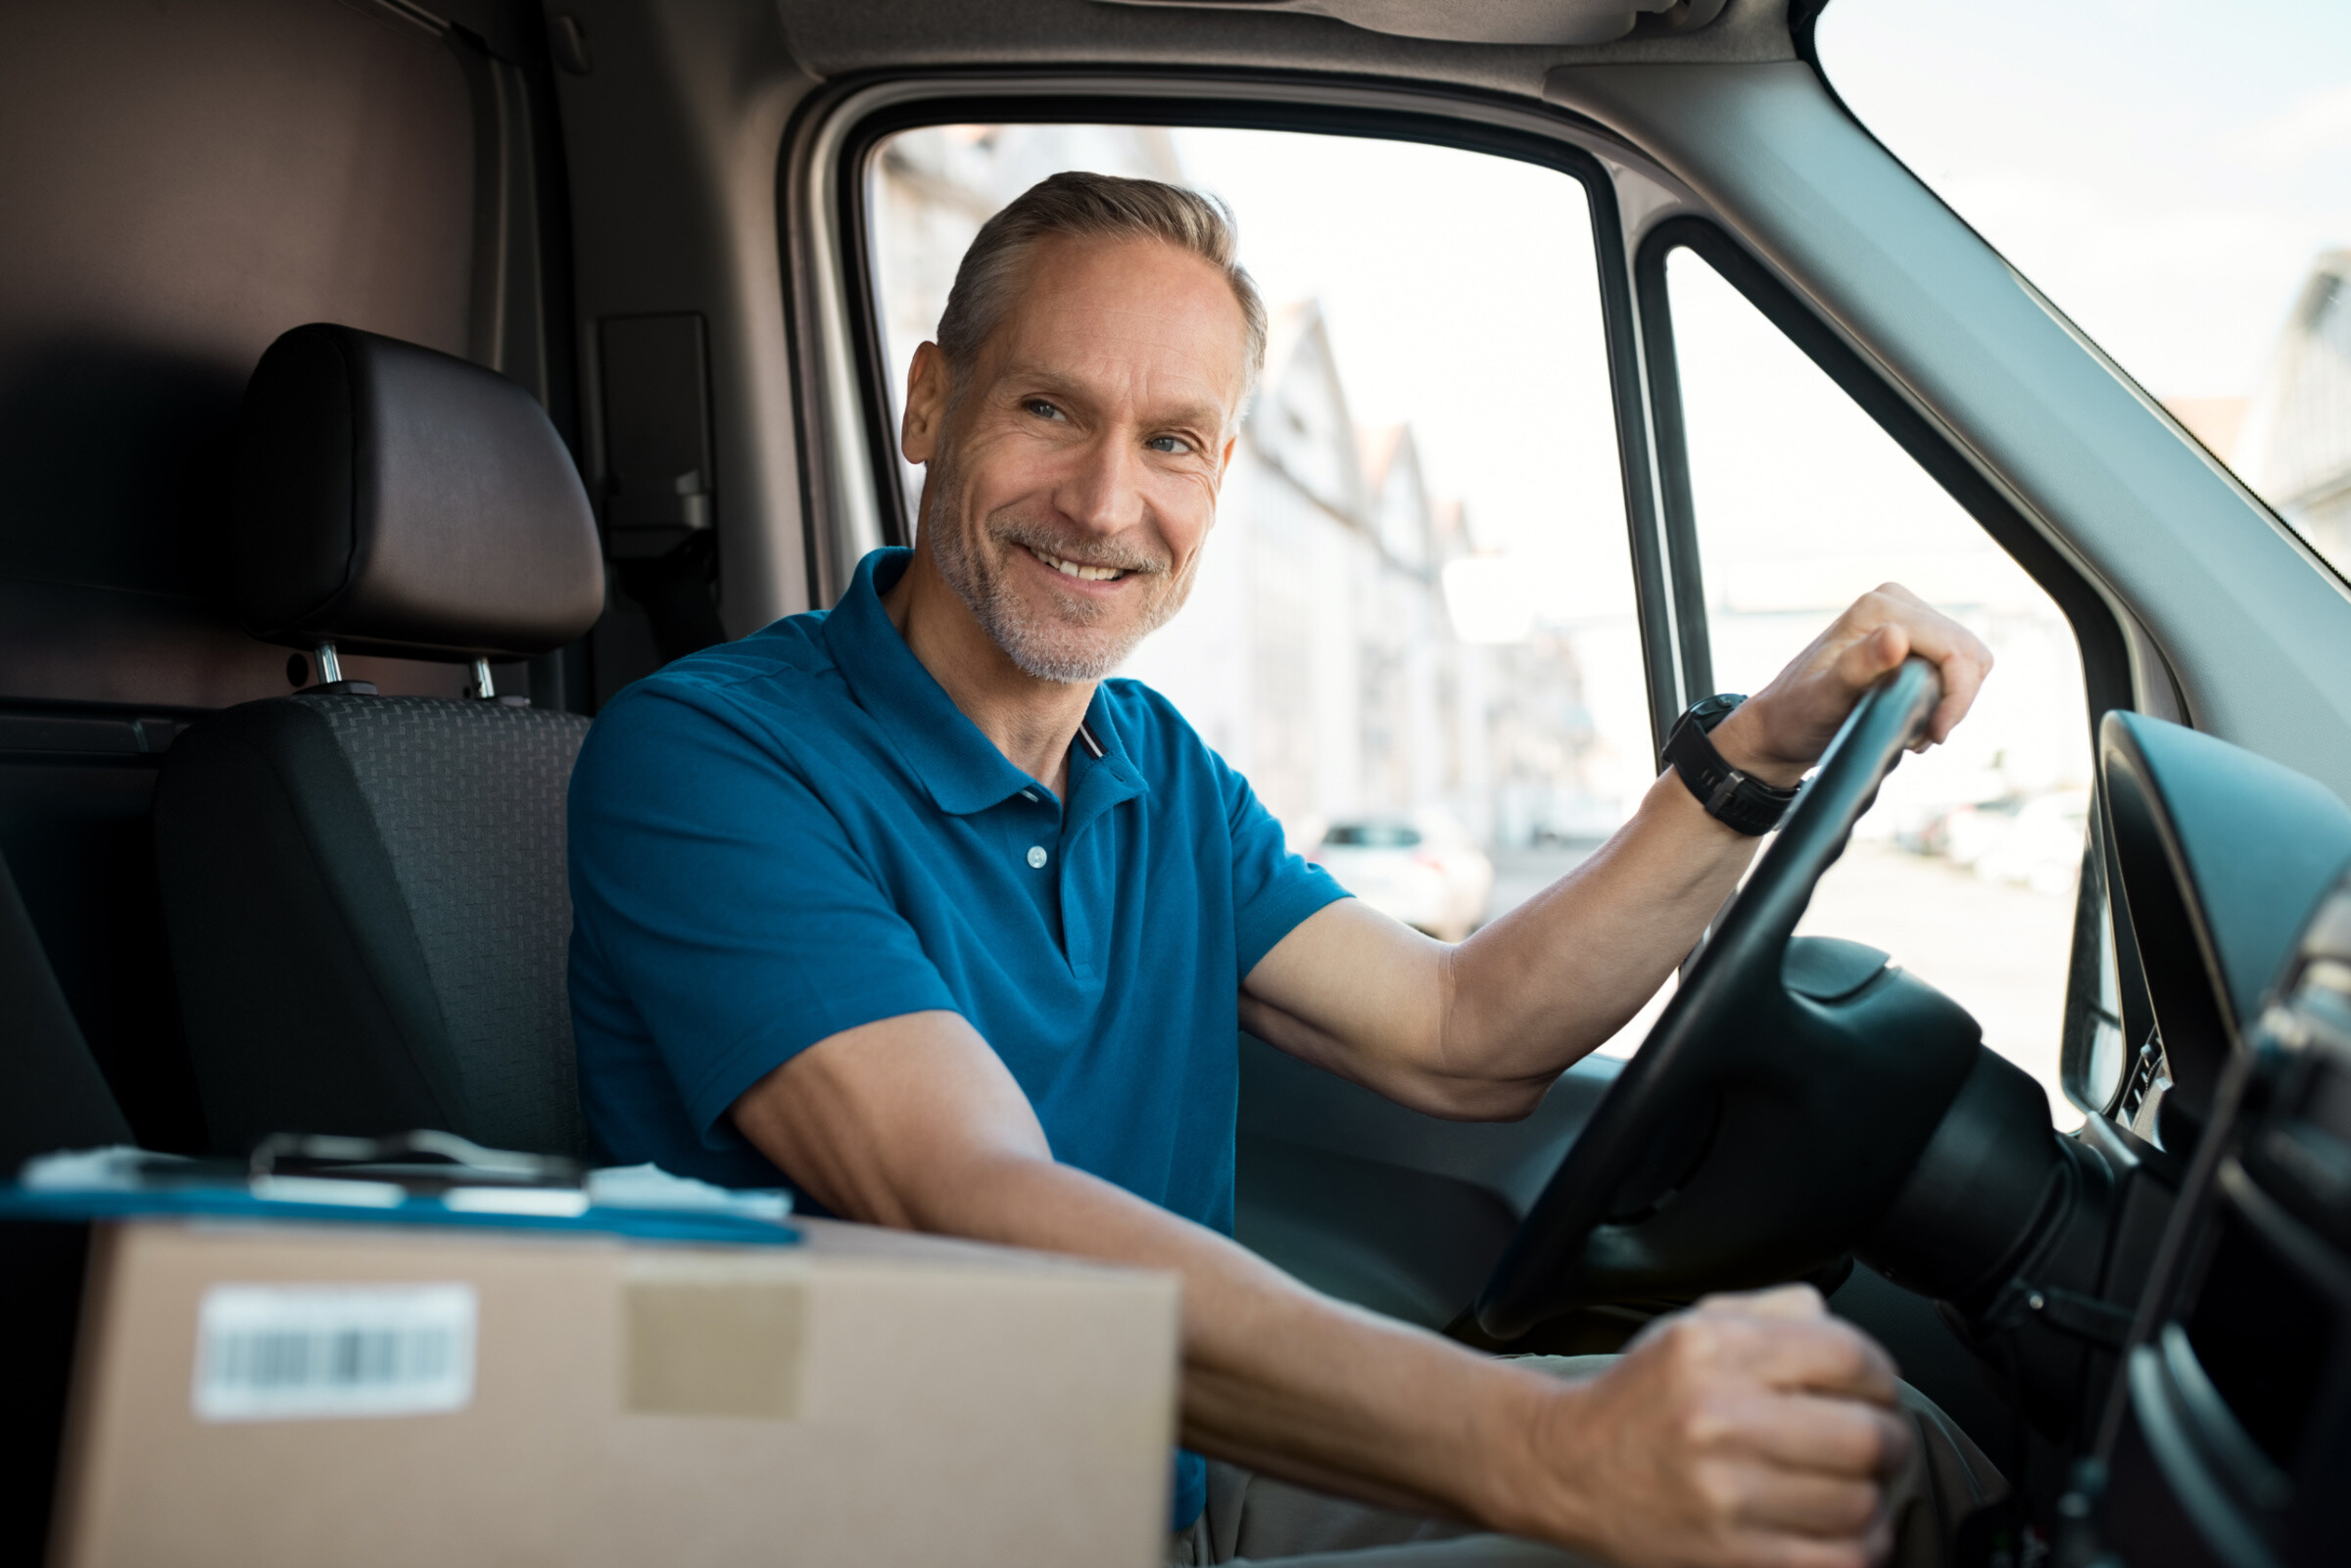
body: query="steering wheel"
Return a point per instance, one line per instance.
(1785, 1091)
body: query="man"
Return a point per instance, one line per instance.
(910, 906)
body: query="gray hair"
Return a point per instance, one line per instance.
(1095, 207)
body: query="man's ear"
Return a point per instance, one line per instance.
(926, 404)
(1225, 457)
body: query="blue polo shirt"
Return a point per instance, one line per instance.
(785, 837)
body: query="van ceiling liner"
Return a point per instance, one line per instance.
(1505, 22)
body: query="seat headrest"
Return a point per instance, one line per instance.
(392, 500)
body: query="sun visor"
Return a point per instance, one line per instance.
(1553, 22)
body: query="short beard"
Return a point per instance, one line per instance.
(1066, 649)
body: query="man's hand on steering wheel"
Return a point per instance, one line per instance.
(1759, 1081)
(1751, 1428)
(1782, 731)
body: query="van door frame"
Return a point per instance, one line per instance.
(847, 431)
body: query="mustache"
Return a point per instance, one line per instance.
(1085, 551)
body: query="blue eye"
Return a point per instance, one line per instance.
(1041, 408)
(1168, 444)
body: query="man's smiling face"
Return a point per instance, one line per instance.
(1074, 472)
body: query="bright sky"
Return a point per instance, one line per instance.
(2164, 169)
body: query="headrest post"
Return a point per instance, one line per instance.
(484, 687)
(330, 668)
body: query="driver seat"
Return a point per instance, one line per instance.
(365, 896)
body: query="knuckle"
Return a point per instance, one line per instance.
(1865, 1446)
(1718, 1493)
(1852, 1353)
(1702, 1423)
(1689, 1339)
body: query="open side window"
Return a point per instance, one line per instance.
(1793, 478)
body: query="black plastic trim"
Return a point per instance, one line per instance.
(1676, 500)
(2105, 656)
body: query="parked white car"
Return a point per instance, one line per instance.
(2030, 841)
(2042, 846)
(1421, 867)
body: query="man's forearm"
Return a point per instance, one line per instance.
(1751, 1430)
(1670, 1457)
(1556, 977)
(1276, 1376)
(912, 1121)
(1480, 1031)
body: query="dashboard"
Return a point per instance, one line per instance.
(2227, 1438)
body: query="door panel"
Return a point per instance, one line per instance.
(1371, 1202)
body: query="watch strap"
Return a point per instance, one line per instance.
(1736, 800)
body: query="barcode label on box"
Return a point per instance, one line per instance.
(286, 1352)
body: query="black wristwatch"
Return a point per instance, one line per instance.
(1731, 797)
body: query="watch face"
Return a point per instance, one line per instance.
(1714, 709)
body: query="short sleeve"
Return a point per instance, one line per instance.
(723, 900)
(1273, 888)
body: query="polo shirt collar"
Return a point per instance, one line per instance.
(960, 767)
(1101, 773)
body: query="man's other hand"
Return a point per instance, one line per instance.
(1751, 1428)
(1783, 729)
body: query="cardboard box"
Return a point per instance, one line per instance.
(265, 1394)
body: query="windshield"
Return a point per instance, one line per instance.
(2175, 176)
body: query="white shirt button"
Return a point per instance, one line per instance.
(1029, 795)
(1036, 856)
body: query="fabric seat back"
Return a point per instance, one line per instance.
(365, 894)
